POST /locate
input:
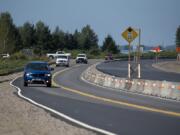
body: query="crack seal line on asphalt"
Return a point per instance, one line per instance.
(58, 113)
(171, 113)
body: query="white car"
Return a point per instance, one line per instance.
(63, 60)
(58, 53)
(81, 58)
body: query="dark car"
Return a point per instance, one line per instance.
(37, 72)
(109, 57)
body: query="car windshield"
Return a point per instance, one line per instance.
(60, 52)
(37, 66)
(81, 55)
(62, 57)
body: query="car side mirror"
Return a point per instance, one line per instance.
(51, 68)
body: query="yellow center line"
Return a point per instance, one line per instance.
(177, 114)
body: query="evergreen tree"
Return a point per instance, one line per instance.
(43, 38)
(76, 36)
(109, 45)
(56, 43)
(9, 37)
(178, 37)
(87, 39)
(27, 33)
(18, 41)
(71, 43)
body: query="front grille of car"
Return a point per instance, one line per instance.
(81, 59)
(38, 75)
(62, 61)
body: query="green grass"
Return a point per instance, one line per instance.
(10, 65)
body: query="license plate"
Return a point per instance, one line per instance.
(37, 79)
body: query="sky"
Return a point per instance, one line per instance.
(157, 19)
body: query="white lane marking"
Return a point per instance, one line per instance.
(60, 114)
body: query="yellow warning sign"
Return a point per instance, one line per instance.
(129, 34)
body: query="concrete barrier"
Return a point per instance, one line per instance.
(138, 85)
(147, 87)
(164, 89)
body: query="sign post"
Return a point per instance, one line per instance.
(178, 51)
(139, 66)
(157, 50)
(129, 35)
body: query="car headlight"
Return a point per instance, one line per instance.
(48, 75)
(28, 74)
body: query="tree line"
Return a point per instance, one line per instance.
(41, 40)
(178, 37)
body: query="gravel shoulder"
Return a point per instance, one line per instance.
(18, 117)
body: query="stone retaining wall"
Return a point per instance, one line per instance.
(164, 89)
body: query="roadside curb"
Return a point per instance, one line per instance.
(163, 89)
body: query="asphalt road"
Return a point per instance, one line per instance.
(119, 68)
(122, 120)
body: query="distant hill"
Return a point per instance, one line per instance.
(133, 47)
(170, 47)
(124, 48)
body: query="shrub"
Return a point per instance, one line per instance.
(18, 55)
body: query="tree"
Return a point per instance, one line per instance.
(76, 36)
(17, 40)
(87, 38)
(109, 45)
(71, 43)
(178, 37)
(57, 42)
(62, 40)
(9, 36)
(178, 42)
(43, 38)
(27, 33)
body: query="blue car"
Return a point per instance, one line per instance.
(37, 72)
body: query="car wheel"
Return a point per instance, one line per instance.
(51, 57)
(25, 84)
(48, 84)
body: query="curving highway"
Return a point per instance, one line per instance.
(103, 108)
(119, 68)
